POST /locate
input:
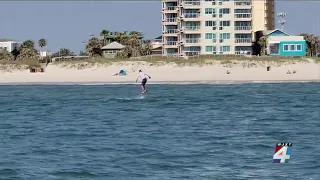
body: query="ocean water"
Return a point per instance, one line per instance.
(181, 132)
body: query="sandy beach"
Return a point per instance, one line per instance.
(166, 72)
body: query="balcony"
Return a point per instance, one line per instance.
(192, 53)
(171, 32)
(244, 4)
(192, 41)
(191, 4)
(243, 28)
(244, 17)
(171, 9)
(171, 44)
(170, 21)
(191, 17)
(243, 40)
(191, 30)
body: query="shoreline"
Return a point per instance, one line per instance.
(98, 83)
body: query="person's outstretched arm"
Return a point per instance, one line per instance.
(148, 76)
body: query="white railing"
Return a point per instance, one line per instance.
(172, 31)
(191, 15)
(242, 28)
(242, 52)
(242, 3)
(240, 16)
(243, 40)
(191, 3)
(171, 8)
(171, 20)
(171, 43)
(192, 53)
(192, 40)
(191, 28)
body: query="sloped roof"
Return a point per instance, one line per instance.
(276, 30)
(160, 37)
(113, 45)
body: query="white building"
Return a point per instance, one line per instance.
(45, 53)
(8, 44)
(194, 27)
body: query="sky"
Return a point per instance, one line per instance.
(68, 24)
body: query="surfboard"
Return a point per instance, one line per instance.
(143, 93)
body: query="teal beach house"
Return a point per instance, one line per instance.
(280, 43)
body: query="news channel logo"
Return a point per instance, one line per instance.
(282, 153)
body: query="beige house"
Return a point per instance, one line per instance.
(157, 46)
(110, 50)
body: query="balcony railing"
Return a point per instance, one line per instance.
(192, 53)
(242, 3)
(191, 28)
(243, 40)
(247, 15)
(192, 40)
(242, 28)
(171, 20)
(244, 52)
(191, 15)
(172, 31)
(171, 8)
(171, 43)
(192, 3)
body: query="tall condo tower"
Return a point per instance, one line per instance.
(201, 27)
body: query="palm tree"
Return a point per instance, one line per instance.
(147, 47)
(104, 33)
(263, 45)
(313, 44)
(93, 47)
(42, 43)
(64, 52)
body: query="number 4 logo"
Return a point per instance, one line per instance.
(282, 155)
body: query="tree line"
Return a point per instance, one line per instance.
(133, 41)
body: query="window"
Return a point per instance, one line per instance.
(299, 47)
(209, 11)
(209, 35)
(292, 47)
(225, 36)
(242, 11)
(285, 47)
(224, 11)
(224, 48)
(224, 23)
(214, 49)
(210, 23)
(209, 48)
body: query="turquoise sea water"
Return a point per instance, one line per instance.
(174, 132)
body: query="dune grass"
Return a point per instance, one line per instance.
(26, 63)
(200, 60)
(180, 61)
(317, 60)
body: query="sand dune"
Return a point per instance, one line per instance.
(167, 72)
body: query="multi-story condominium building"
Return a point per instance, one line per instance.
(200, 27)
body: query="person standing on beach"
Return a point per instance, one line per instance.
(144, 78)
